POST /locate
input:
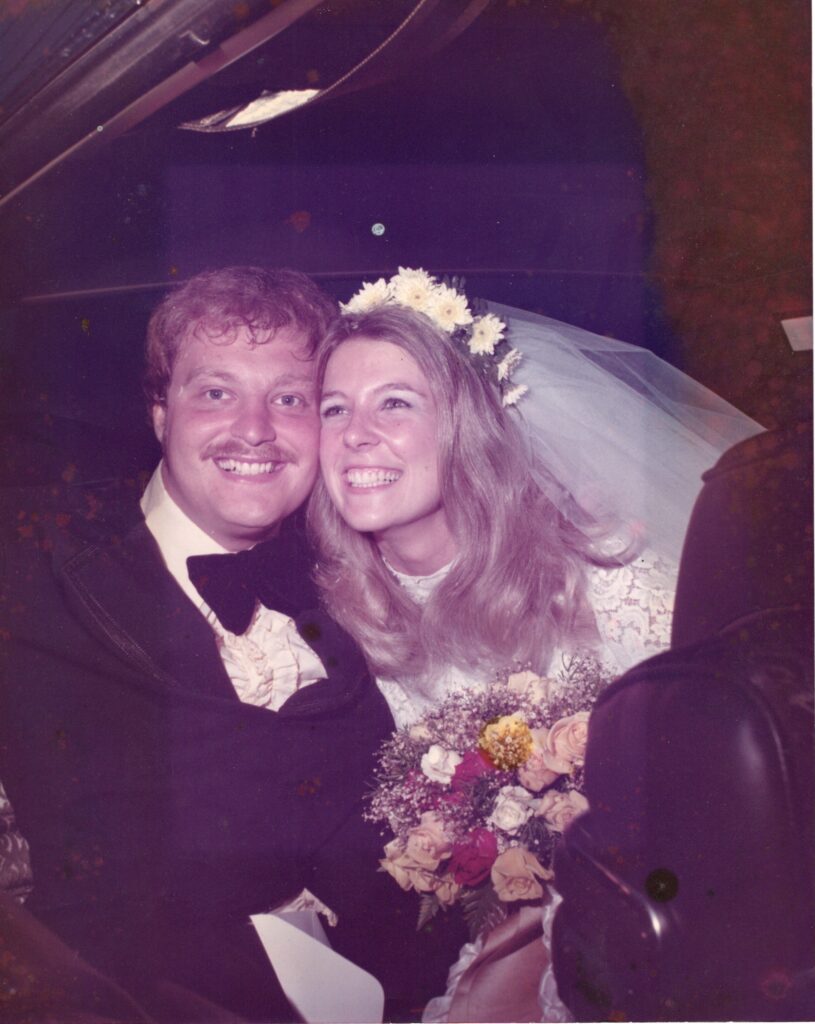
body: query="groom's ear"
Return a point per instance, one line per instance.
(159, 415)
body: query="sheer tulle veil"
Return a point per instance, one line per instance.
(623, 434)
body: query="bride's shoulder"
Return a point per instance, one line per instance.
(648, 571)
(633, 606)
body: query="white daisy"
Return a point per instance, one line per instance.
(417, 272)
(449, 309)
(514, 394)
(488, 330)
(370, 295)
(412, 288)
(508, 364)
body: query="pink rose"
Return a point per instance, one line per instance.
(516, 874)
(536, 772)
(396, 864)
(447, 890)
(559, 810)
(565, 746)
(472, 766)
(405, 871)
(427, 843)
(473, 857)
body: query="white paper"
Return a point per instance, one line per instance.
(323, 986)
(799, 333)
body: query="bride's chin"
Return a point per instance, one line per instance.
(364, 520)
(368, 524)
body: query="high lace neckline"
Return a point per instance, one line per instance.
(419, 587)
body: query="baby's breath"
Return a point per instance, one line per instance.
(403, 792)
(488, 735)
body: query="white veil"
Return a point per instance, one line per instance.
(626, 434)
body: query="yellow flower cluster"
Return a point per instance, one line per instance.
(507, 742)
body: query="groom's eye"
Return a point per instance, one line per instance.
(290, 401)
(216, 394)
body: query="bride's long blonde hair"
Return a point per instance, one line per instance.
(516, 589)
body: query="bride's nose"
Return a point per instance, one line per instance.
(359, 431)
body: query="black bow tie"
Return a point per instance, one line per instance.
(273, 572)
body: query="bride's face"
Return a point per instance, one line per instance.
(378, 447)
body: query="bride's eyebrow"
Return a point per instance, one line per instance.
(400, 386)
(392, 386)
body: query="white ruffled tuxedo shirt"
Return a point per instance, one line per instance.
(270, 661)
(267, 664)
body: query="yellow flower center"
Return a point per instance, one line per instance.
(507, 742)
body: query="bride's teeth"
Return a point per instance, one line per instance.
(245, 468)
(372, 477)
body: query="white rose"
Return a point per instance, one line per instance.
(514, 806)
(439, 763)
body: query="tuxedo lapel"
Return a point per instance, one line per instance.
(123, 589)
(120, 587)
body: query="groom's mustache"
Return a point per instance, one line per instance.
(266, 452)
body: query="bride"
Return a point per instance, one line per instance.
(499, 490)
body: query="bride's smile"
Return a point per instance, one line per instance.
(364, 477)
(379, 451)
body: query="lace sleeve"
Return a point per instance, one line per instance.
(633, 606)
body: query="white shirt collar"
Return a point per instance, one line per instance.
(176, 534)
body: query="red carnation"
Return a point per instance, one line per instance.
(472, 858)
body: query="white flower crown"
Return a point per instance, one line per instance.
(482, 336)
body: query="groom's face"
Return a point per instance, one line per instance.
(240, 433)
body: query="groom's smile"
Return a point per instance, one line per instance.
(239, 429)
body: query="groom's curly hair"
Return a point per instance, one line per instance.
(516, 589)
(215, 303)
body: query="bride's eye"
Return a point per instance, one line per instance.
(329, 411)
(395, 403)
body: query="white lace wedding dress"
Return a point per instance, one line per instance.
(632, 607)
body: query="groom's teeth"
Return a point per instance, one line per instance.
(245, 468)
(371, 477)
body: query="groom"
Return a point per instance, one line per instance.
(185, 735)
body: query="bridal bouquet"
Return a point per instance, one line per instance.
(477, 792)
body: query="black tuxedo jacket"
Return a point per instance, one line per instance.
(161, 810)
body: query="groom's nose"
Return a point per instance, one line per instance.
(254, 421)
